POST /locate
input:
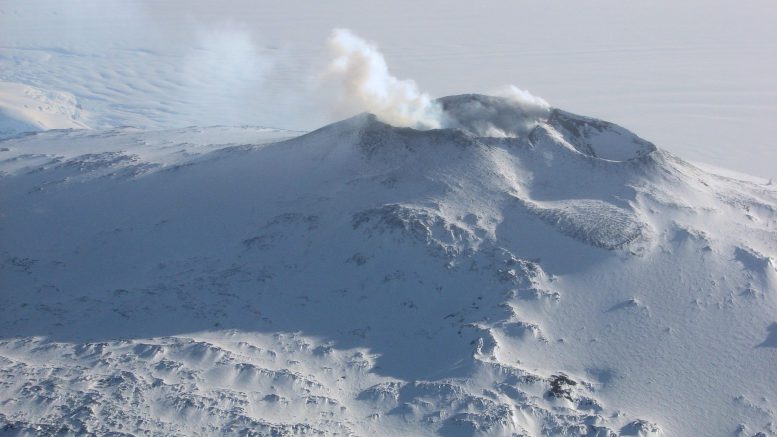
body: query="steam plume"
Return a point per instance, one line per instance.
(527, 101)
(368, 86)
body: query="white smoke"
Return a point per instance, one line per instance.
(367, 85)
(502, 116)
(529, 103)
(516, 115)
(223, 74)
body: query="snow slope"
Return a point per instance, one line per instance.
(25, 108)
(569, 279)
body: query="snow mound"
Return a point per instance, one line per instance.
(25, 108)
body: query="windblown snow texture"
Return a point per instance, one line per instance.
(25, 108)
(567, 279)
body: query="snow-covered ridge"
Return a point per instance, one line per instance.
(566, 279)
(490, 117)
(599, 138)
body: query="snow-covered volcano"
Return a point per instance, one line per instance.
(521, 273)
